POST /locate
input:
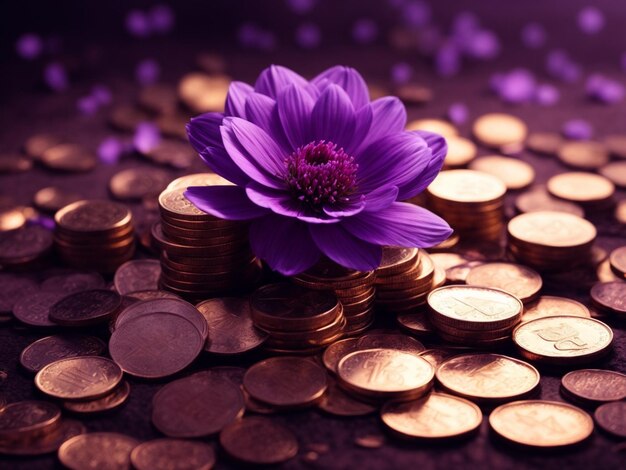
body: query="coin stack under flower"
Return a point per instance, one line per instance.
(355, 290)
(203, 256)
(94, 235)
(551, 241)
(472, 203)
(297, 319)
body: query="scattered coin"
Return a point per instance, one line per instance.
(137, 275)
(204, 93)
(370, 441)
(44, 443)
(498, 130)
(97, 450)
(586, 155)
(550, 306)
(112, 400)
(69, 157)
(37, 144)
(25, 419)
(611, 417)
(158, 98)
(51, 199)
(581, 187)
(23, 246)
(85, 308)
(545, 143)
(610, 297)
(616, 172)
(617, 258)
(514, 173)
(616, 145)
(50, 349)
(538, 199)
(594, 385)
(138, 183)
(396, 341)
(339, 403)
(337, 350)
(33, 310)
(168, 454)
(461, 151)
(11, 219)
(14, 163)
(415, 323)
(127, 117)
(73, 282)
(524, 283)
(438, 126)
(414, 94)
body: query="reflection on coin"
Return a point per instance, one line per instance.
(498, 130)
(540, 423)
(563, 339)
(550, 306)
(487, 377)
(79, 378)
(23, 419)
(44, 443)
(112, 400)
(594, 385)
(102, 450)
(514, 173)
(524, 283)
(137, 275)
(611, 417)
(260, 441)
(435, 416)
(339, 403)
(46, 350)
(610, 296)
(172, 454)
(466, 186)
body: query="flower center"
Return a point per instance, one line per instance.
(320, 174)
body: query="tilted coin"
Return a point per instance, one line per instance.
(586, 155)
(27, 418)
(46, 350)
(611, 417)
(258, 440)
(616, 172)
(461, 151)
(45, 443)
(204, 93)
(195, 406)
(553, 229)
(617, 258)
(487, 377)
(113, 399)
(230, 320)
(370, 441)
(37, 144)
(137, 275)
(610, 296)
(286, 382)
(514, 173)
(604, 273)
(545, 143)
(73, 282)
(581, 187)
(524, 283)
(102, 450)
(51, 199)
(549, 306)
(93, 216)
(390, 341)
(438, 126)
(563, 339)
(85, 308)
(539, 423)
(435, 416)
(620, 212)
(595, 385)
(538, 199)
(499, 130)
(79, 378)
(155, 345)
(415, 323)
(337, 350)
(337, 402)
(24, 245)
(172, 454)
(34, 309)
(138, 183)
(466, 186)
(69, 157)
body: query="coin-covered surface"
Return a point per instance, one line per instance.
(594, 385)
(106, 450)
(137, 275)
(172, 454)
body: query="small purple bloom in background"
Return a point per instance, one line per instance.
(247, 34)
(447, 60)
(102, 94)
(29, 46)
(317, 169)
(55, 77)
(147, 137)
(416, 13)
(590, 20)
(308, 36)
(547, 95)
(364, 31)
(301, 6)
(577, 129)
(482, 45)
(458, 113)
(43, 221)
(138, 24)
(604, 89)
(518, 86)
(111, 150)
(147, 72)
(401, 73)
(496, 81)
(560, 66)
(430, 39)
(87, 105)
(266, 40)
(533, 35)
(161, 18)
(465, 24)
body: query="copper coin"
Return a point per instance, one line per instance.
(414, 94)
(461, 151)
(73, 282)
(617, 258)
(85, 308)
(611, 417)
(172, 454)
(173, 124)
(23, 245)
(514, 173)
(552, 229)
(545, 143)
(538, 199)
(230, 320)
(158, 98)
(50, 349)
(337, 350)
(436, 416)
(11, 219)
(45, 443)
(36, 145)
(112, 400)
(415, 323)
(581, 187)
(616, 172)
(259, 441)
(396, 341)
(395, 260)
(438, 126)
(138, 183)
(23, 419)
(498, 130)
(616, 144)
(195, 406)
(51, 199)
(14, 163)
(595, 385)
(522, 282)
(586, 155)
(93, 216)
(79, 378)
(203, 93)
(136, 275)
(286, 382)
(549, 306)
(198, 179)
(337, 402)
(152, 295)
(34, 309)
(102, 450)
(466, 186)
(13, 289)
(155, 345)
(610, 296)
(69, 157)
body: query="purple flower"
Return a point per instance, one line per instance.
(147, 136)
(517, 86)
(364, 31)
(590, 20)
(547, 95)
(560, 66)
(102, 94)
(308, 36)
(577, 129)
(55, 77)
(533, 35)
(110, 150)
(87, 105)
(416, 14)
(147, 72)
(458, 113)
(29, 46)
(318, 169)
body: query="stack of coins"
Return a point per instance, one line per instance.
(202, 256)
(471, 201)
(356, 292)
(94, 235)
(297, 319)
(403, 280)
(474, 316)
(551, 241)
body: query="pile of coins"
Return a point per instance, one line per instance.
(472, 203)
(297, 319)
(94, 235)
(202, 256)
(355, 290)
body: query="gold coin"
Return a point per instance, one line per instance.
(581, 187)
(563, 339)
(594, 385)
(524, 283)
(108, 402)
(438, 126)
(466, 186)
(199, 179)
(499, 129)
(172, 454)
(539, 423)
(514, 173)
(102, 450)
(552, 229)
(487, 377)
(435, 416)
(386, 373)
(586, 155)
(204, 93)
(461, 151)
(550, 306)
(79, 378)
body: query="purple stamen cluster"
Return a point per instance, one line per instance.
(320, 174)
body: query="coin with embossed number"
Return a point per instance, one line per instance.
(611, 417)
(46, 350)
(45, 443)
(524, 283)
(549, 306)
(610, 296)
(487, 377)
(594, 385)
(24, 419)
(85, 308)
(435, 416)
(540, 423)
(110, 401)
(102, 450)
(137, 275)
(79, 378)
(172, 454)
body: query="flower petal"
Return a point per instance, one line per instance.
(364, 118)
(346, 249)
(225, 202)
(333, 117)
(347, 209)
(381, 198)
(389, 117)
(275, 78)
(236, 99)
(348, 79)
(220, 162)
(204, 131)
(263, 111)
(439, 149)
(401, 224)
(294, 108)
(284, 244)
